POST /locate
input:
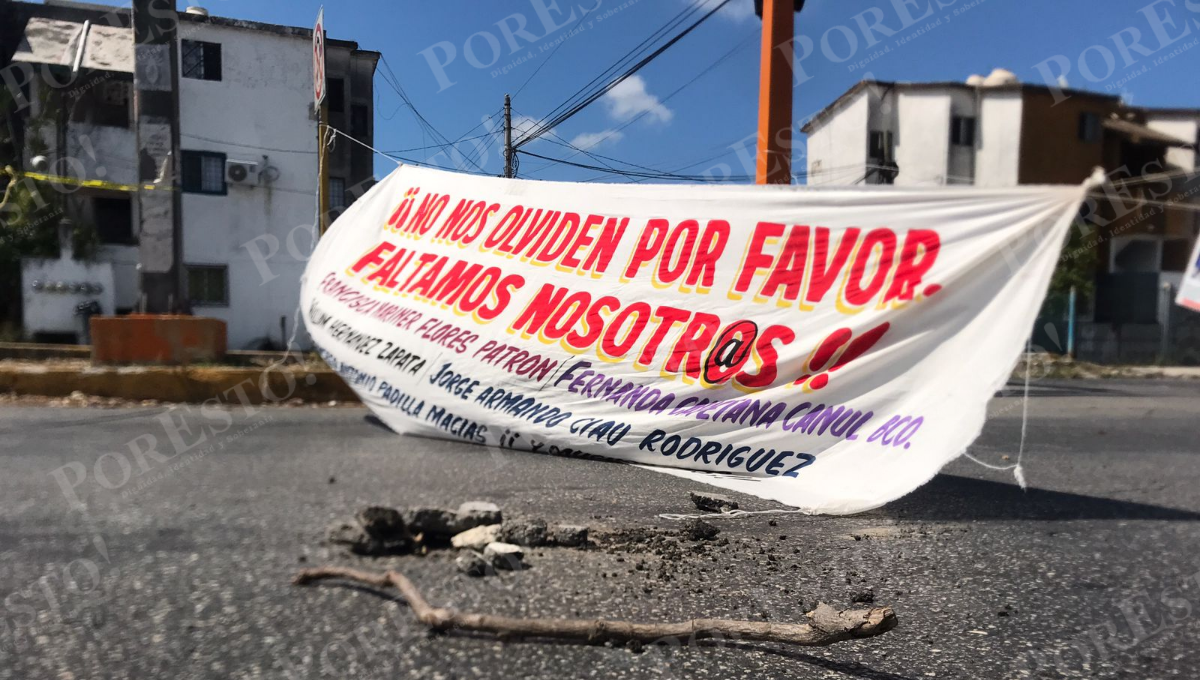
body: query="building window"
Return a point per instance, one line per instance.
(114, 221)
(359, 123)
(962, 130)
(204, 172)
(1089, 127)
(112, 106)
(337, 95)
(201, 60)
(337, 195)
(882, 146)
(208, 285)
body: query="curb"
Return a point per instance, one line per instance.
(177, 384)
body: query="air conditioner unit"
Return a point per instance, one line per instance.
(241, 172)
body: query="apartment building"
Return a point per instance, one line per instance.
(998, 132)
(247, 130)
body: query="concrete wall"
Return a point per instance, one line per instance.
(923, 145)
(103, 152)
(266, 88)
(837, 147)
(46, 310)
(998, 157)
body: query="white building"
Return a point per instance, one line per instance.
(247, 142)
(998, 132)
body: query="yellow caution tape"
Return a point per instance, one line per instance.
(94, 183)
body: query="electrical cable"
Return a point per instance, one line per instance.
(560, 118)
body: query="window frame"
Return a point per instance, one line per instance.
(1097, 132)
(360, 129)
(341, 202)
(962, 131)
(223, 269)
(105, 235)
(210, 63)
(337, 104)
(197, 186)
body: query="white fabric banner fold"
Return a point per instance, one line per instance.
(828, 348)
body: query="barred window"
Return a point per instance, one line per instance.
(208, 285)
(201, 60)
(204, 172)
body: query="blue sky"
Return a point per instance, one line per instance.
(711, 121)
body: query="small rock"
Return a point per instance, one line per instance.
(472, 563)
(569, 536)
(699, 530)
(432, 522)
(477, 538)
(866, 596)
(476, 514)
(504, 555)
(713, 502)
(529, 533)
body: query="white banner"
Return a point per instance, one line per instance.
(828, 348)
(1189, 289)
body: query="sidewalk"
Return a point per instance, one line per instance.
(192, 384)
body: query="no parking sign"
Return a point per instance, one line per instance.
(319, 58)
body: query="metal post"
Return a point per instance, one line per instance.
(323, 166)
(774, 164)
(1165, 306)
(508, 150)
(1071, 323)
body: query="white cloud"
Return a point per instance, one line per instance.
(738, 10)
(590, 140)
(630, 99)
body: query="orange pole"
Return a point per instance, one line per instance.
(775, 94)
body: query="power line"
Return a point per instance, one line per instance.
(642, 175)
(557, 47)
(625, 58)
(747, 41)
(562, 117)
(389, 77)
(246, 146)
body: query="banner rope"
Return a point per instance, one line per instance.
(1017, 469)
(297, 318)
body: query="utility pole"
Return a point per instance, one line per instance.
(321, 99)
(323, 165)
(774, 163)
(156, 127)
(508, 150)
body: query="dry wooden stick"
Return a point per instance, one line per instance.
(825, 627)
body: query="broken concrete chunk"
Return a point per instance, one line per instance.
(477, 513)
(472, 563)
(699, 530)
(713, 502)
(477, 538)
(356, 538)
(432, 522)
(529, 533)
(504, 555)
(569, 536)
(383, 523)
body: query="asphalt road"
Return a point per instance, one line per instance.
(114, 565)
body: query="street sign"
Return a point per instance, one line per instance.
(319, 59)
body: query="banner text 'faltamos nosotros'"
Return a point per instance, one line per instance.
(829, 348)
